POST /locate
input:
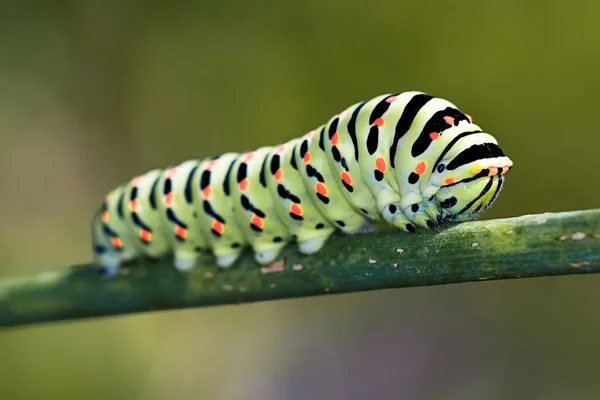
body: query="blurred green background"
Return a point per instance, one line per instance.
(92, 93)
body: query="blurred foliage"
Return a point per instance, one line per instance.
(94, 92)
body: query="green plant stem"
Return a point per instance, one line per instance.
(527, 246)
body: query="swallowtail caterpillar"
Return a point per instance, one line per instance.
(410, 159)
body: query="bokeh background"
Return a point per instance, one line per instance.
(92, 93)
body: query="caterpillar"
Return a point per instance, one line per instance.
(410, 159)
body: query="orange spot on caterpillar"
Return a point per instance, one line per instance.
(420, 168)
(145, 235)
(505, 169)
(295, 209)
(379, 122)
(346, 177)
(217, 227)
(306, 157)
(257, 221)
(449, 120)
(493, 171)
(243, 185)
(280, 149)
(278, 175)
(380, 164)
(105, 216)
(335, 139)
(116, 243)
(448, 181)
(248, 157)
(207, 192)
(171, 172)
(391, 99)
(169, 199)
(134, 205)
(180, 232)
(434, 135)
(310, 134)
(209, 165)
(469, 118)
(341, 115)
(321, 189)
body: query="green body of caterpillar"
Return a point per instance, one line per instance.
(410, 159)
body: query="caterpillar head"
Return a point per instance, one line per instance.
(470, 178)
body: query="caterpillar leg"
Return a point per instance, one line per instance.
(226, 261)
(107, 264)
(313, 244)
(434, 212)
(394, 216)
(417, 215)
(184, 259)
(224, 252)
(390, 208)
(265, 255)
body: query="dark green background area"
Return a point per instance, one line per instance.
(92, 93)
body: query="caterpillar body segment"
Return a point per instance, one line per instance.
(410, 159)
(254, 208)
(323, 185)
(293, 206)
(211, 192)
(140, 204)
(176, 204)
